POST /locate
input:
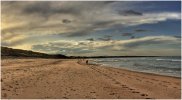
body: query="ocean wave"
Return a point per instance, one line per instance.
(168, 59)
(172, 69)
(106, 60)
(161, 65)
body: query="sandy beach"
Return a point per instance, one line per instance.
(73, 79)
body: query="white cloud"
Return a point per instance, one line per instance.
(47, 17)
(117, 46)
(27, 24)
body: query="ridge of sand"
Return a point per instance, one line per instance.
(73, 79)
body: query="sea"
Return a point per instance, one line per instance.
(169, 66)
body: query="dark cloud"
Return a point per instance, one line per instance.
(130, 13)
(127, 34)
(4, 44)
(4, 3)
(152, 41)
(141, 30)
(109, 2)
(105, 38)
(82, 43)
(88, 30)
(79, 33)
(66, 21)
(103, 23)
(45, 9)
(90, 39)
(178, 37)
(133, 33)
(132, 37)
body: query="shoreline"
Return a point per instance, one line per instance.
(155, 74)
(101, 65)
(74, 79)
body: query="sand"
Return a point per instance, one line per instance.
(70, 79)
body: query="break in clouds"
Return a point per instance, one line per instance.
(90, 27)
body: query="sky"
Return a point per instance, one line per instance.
(93, 28)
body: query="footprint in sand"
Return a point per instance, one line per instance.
(73, 89)
(10, 86)
(160, 84)
(93, 92)
(47, 97)
(87, 97)
(117, 82)
(106, 87)
(8, 90)
(165, 86)
(154, 80)
(135, 92)
(131, 89)
(148, 98)
(65, 98)
(144, 95)
(149, 82)
(4, 95)
(165, 82)
(138, 79)
(112, 93)
(125, 87)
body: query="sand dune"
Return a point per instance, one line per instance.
(55, 78)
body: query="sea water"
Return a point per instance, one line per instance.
(170, 66)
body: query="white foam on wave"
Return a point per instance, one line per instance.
(166, 66)
(168, 59)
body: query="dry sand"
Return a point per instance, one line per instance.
(55, 78)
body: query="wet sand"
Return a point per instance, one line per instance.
(70, 79)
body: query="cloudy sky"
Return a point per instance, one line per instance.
(93, 28)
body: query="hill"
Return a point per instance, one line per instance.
(9, 52)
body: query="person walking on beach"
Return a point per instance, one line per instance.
(87, 62)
